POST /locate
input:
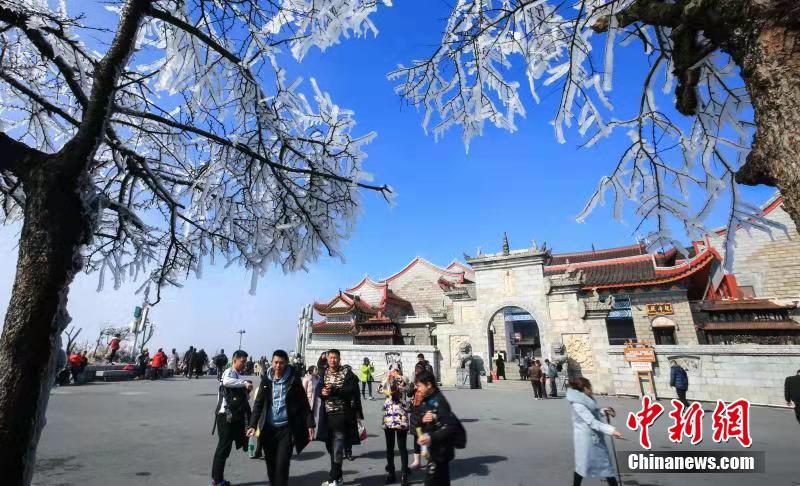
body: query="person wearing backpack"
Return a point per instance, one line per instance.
(231, 414)
(442, 432)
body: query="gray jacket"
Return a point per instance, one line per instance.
(592, 457)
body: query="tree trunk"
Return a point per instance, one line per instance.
(56, 224)
(771, 68)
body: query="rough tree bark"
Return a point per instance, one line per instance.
(55, 227)
(771, 69)
(59, 219)
(763, 38)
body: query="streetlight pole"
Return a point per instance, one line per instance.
(240, 332)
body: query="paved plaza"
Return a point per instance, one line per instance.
(158, 433)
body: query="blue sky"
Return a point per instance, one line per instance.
(449, 202)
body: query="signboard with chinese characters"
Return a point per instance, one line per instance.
(642, 366)
(641, 354)
(660, 309)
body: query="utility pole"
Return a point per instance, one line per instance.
(240, 332)
(142, 321)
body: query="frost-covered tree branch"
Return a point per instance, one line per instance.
(208, 135)
(153, 146)
(675, 168)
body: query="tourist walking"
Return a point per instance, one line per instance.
(367, 376)
(159, 361)
(113, 348)
(426, 363)
(174, 362)
(348, 449)
(592, 457)
(188, 362)
(231, 414)
(791, 391)
(442, 432)
(417, 395)
(523, 369)
(281, 418)
(220, 362)
(200, 362)
(396, 422)
(340, 414)
(141, 364)
(500, 366)
(310, 381)
(551, 373)
(75, 366)
(536, 375)
(679, 380)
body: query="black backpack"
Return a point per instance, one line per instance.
(459, 437)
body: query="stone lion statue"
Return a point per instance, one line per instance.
(465, 354)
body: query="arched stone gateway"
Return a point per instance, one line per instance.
(513, 332)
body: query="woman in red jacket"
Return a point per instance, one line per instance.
(159, 361)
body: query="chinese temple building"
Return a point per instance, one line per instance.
(583, 307)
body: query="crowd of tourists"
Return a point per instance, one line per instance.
(290, 411)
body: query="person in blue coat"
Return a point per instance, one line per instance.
(592, 457)
(679, 380)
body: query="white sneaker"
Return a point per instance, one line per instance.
(330, 483)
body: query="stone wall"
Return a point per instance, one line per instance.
(684, 322)
(770, 262)
(354, 355)
(754, 372)
(419, 285)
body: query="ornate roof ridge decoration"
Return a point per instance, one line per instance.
(595, 255)
(666, 275)
(325, 327)
(755, 304)
(367, 281)
(351, 301)
(627, 272)
(599, 263)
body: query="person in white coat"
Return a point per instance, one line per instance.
(592, 457)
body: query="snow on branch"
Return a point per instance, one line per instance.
(210, 148)
(674, 169)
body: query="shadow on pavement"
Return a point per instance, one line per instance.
(468, 421)
(468, 466)
(309, 456)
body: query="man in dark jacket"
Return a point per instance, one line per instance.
(791, 391)
(200, 361)
(281, 418)
(442, 431)
(188, 362)
(680, 381)
(231, 415)
(220, 362)
(340, 413)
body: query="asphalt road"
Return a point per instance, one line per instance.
(158, 433)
